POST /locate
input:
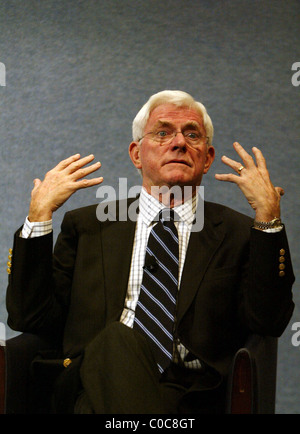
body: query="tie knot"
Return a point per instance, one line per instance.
(166, 215)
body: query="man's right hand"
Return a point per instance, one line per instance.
(59, 184)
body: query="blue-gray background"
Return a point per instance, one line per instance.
(78, 71)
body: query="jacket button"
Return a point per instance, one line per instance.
(281, 273)
(67, 362)
(282, 252)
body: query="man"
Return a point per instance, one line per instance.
(234, 276)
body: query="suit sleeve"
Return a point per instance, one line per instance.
(40, 283)
(268, 304)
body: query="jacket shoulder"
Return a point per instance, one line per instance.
(222, 213)
(104, 212)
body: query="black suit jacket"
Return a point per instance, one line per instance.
(230, 283)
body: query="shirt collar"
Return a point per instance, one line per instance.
(149, 207)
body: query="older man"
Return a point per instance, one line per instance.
(151, 311)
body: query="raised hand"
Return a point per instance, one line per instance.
(59, 184)
(254, 181)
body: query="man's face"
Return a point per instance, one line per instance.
(177, 162)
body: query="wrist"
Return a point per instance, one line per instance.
(270, 224)
(36, 229)
(42, 216)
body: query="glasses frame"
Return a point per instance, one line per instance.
(174, 134)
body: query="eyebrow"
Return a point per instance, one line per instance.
(189, 124)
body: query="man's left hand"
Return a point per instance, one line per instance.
(254, 181)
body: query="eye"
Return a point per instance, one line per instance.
(162, 133)
(193, 135)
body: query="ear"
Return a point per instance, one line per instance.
(134, 153)
(210, 156)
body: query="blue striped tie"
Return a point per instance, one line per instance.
(155, 311)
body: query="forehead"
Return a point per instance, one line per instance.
(174, 115)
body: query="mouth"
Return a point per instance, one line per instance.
(184, 162)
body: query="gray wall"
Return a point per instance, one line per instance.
(78, 71)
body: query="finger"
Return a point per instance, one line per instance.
(246, 158)
(235, 165)
(81, 173)
(260, 161)
(65, 163)
(78, 164)
(229, 177)
(85, 183)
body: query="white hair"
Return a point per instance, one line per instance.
(176, 97)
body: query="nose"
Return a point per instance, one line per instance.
(178, 141)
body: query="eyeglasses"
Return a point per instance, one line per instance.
(193, 138)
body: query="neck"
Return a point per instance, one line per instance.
(172, 196)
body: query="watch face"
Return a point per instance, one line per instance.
(276, 223)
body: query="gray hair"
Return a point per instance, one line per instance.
(176, 97)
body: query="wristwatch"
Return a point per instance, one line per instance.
(275, 223)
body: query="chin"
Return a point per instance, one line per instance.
(178, 177)
(179, 180)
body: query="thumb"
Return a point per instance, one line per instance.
(36, 183)
(280, 191)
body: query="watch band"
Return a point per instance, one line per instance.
(275, 223)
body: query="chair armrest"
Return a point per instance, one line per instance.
(252, 381)
(19, 353)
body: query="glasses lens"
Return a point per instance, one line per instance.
(164, 137)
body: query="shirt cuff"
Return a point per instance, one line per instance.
(35, 229)
(273, 230)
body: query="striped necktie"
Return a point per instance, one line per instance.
(155, 311)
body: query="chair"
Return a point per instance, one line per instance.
(251, 383)
(16, 387)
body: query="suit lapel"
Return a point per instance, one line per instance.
(202, 247)
(117, 242)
